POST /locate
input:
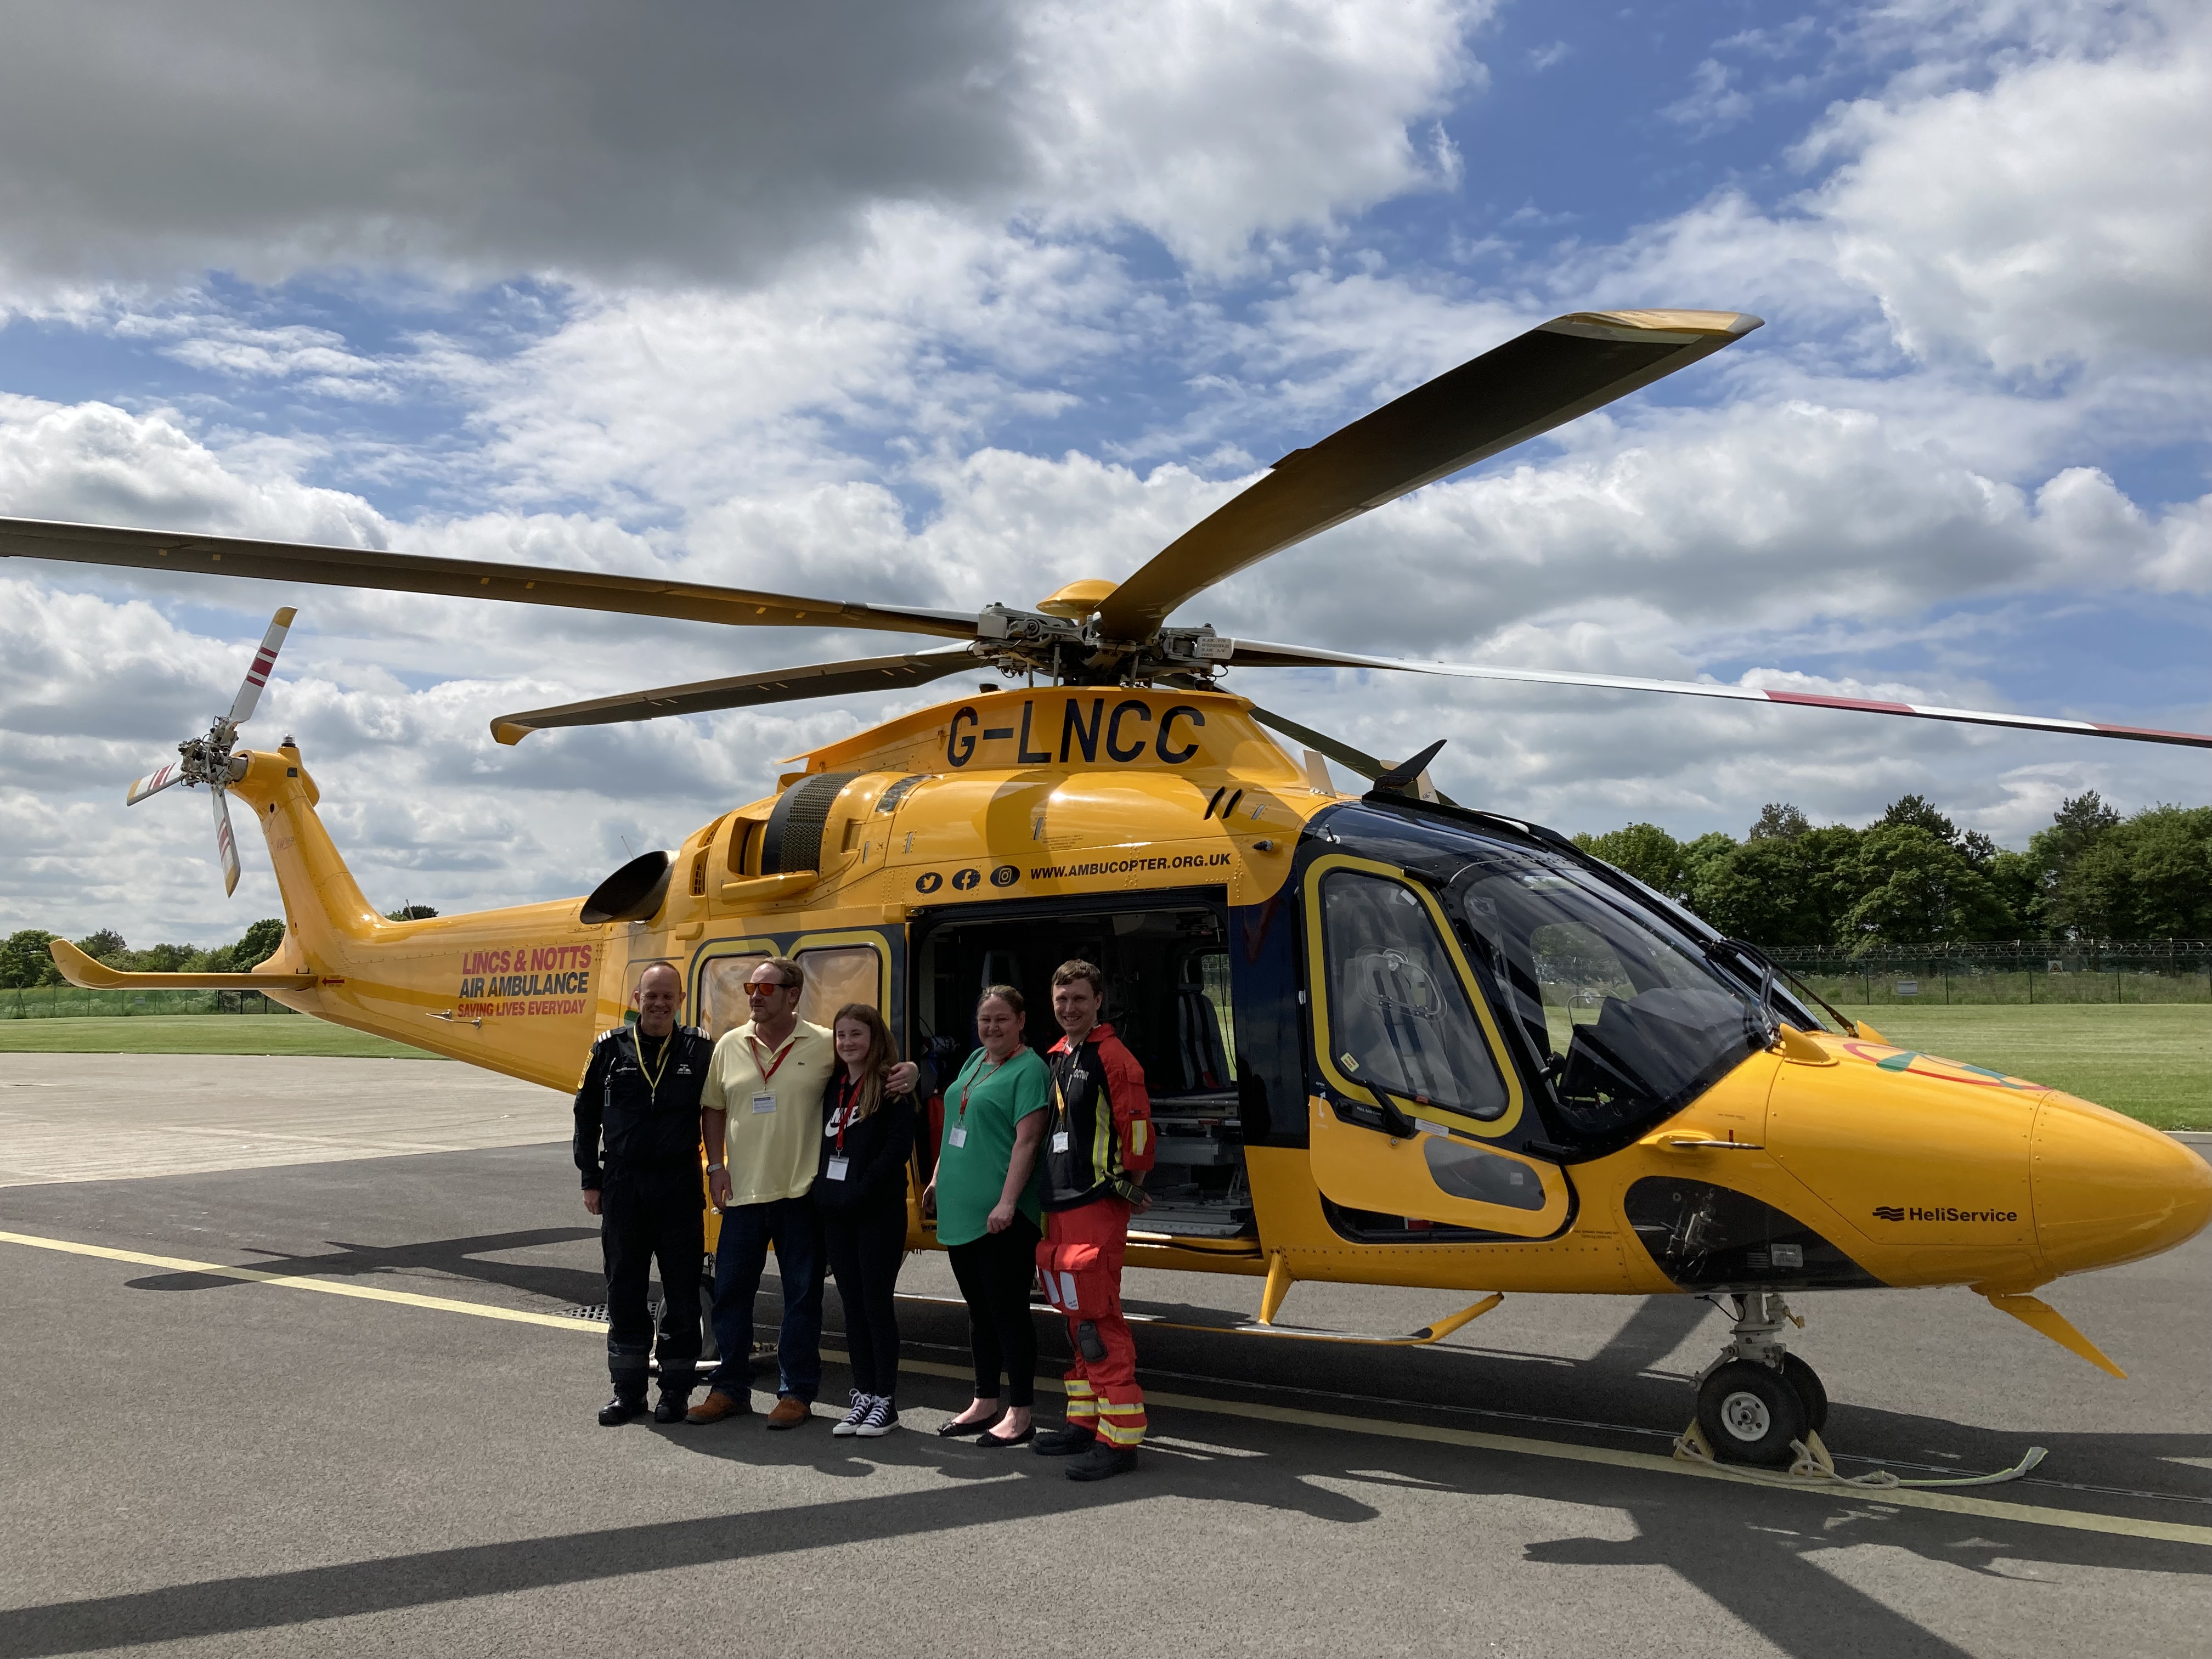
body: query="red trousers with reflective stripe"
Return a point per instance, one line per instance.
(1080, 1264)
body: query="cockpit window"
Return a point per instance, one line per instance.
(1633, 1019)
(1398, 1018)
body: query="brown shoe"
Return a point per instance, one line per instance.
(717, 1405)
(790, 1411)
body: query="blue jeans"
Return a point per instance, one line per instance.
(791, 1226)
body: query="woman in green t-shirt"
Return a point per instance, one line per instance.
(988, 1213)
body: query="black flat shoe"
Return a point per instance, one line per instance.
(619, 1411)
(963, 1430)
(1021, 1439)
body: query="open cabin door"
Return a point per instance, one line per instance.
(1165, 957)
(1418, 1102)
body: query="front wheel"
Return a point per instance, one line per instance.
(1807, 1381)
(1749, 1413)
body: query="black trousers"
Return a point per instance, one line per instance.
(995, 1272)
(867, 1246)
(645, 1216)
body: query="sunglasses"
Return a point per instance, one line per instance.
(757, 991)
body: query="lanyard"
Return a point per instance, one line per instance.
(973, 1080)
(766, 1069)
(1075, 1052)
(848, 1090)
(651, 1077)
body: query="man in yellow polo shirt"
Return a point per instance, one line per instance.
(761, 1115)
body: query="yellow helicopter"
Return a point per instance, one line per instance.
(1390, 1040)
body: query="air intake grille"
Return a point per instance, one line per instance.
(794, 838)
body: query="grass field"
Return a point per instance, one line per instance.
(198, 1033)
(2152, 1062)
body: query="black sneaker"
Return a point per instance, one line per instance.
(1103, 1461)
(619, 1411)
(1066, 1441)
(672, 1406)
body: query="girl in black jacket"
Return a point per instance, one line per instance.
(859, 1191)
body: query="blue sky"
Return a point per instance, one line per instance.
(1013, 295)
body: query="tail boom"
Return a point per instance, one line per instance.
(520, 991)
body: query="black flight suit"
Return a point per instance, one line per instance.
(650, 1202)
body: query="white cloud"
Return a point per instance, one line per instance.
(688, 143)
(2061, 215)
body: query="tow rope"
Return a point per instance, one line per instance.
(1812, 1464)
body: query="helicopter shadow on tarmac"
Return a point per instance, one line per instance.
(448, 1258)
(1619, 1396)
(1615, 1392)
(1753, 1551)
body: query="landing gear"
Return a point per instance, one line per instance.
(1748, 1413)
(1757, 1398)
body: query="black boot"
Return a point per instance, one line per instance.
(1069, 1440)
(631, 1370)
(677, 1378)
(1102, 1462)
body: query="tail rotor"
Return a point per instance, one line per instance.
(209, 760)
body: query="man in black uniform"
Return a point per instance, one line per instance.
(640, 1098)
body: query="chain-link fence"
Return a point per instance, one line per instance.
(73, 1002)
(2023, 971)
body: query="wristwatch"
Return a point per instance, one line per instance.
(713, 1169)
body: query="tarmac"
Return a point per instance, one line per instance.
(293, 1369)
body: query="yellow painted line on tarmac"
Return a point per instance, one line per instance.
(294, 1281)
(1949, 1503)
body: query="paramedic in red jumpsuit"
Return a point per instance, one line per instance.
(1098, 1142)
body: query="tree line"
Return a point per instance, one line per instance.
(26, 961)
(1913, 877)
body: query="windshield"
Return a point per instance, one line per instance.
(1632, 1019)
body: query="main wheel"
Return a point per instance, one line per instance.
(1807, 1381)
(1749, 1413)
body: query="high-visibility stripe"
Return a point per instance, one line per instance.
(1120, 1434)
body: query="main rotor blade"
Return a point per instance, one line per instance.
(471, 579)
(154, 783)
(226, 844)
(1255, 654)
(256, 676)
(1509, 394)
(825, 679)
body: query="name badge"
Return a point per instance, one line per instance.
(763, 1102)
(838, 1166)
(1060, 1139)
(955, 1136)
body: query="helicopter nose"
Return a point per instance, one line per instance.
(2108, 1189)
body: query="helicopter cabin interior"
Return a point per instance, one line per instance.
(1166, 958)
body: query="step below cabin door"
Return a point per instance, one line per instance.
(1416, 1105)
